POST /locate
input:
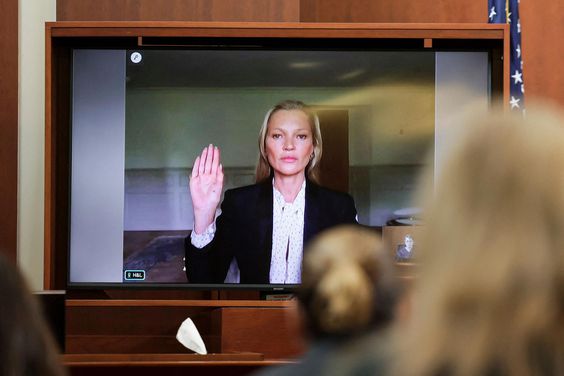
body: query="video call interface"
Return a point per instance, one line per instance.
(140, 118)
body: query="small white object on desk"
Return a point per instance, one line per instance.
(190, 338)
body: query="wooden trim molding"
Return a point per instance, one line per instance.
(401, 11)
(160, 360)
(176, 303)
(179, 10)
(272, 29)
(9, 128)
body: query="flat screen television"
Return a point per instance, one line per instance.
(140, 117)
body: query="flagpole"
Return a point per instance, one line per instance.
(507, 11)
(506, 66)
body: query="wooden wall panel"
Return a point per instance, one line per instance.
(9, 127)
(542, 24)
(393, 11)
(122, 330)
(273, 332)
(178, 10)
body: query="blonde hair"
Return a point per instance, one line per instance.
(263, 170)
(348, 282)
(490, 298)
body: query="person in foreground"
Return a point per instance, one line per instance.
(490, 297)
(346, 301)
(26, 345)
(263, 227)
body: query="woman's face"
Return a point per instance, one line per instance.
(289, 142)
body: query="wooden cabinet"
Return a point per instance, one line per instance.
(150, 326)
(241, 336)
(173, 364)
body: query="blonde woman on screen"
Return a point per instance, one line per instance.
(490, 297)
(263, 227)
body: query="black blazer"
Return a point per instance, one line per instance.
(244, 231)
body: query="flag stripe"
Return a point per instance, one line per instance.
(507, 11)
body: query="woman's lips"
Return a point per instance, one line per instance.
(289, 159)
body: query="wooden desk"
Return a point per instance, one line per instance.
(141, 327)
(172, 364)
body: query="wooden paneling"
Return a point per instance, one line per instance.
(393, 11)
(181, 369)
(157, 359)
(9, 127)
(278, 30)
(150, 326)
(273, 10)
(542, 24)
(170, 364)
(274, 332)
(155, 302)
(132, 330)
(57, 167)
(178, 10)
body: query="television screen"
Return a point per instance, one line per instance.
(140, 118)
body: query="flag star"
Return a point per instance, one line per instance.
(521, 64)
(518, 49)
(522, 89)
(492, 13)
(508, 17)
(519, 26)
(518, 77)
(514, 102)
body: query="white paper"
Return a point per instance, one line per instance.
(190, 338)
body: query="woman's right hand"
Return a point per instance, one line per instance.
(206, 184)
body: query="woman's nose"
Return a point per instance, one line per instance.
(288, 145)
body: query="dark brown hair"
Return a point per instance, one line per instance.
(26, 345)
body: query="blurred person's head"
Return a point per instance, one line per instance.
(289, 142)
(490, 297)
(26, 345)
(348, 283)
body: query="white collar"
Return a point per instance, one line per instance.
(279, 198)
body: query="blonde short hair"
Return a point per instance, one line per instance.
(263, 170)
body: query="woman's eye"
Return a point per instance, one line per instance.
(302, 136)
(276, 136)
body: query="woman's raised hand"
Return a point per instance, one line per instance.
(206, 183)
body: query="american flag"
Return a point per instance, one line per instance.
(507, 11)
